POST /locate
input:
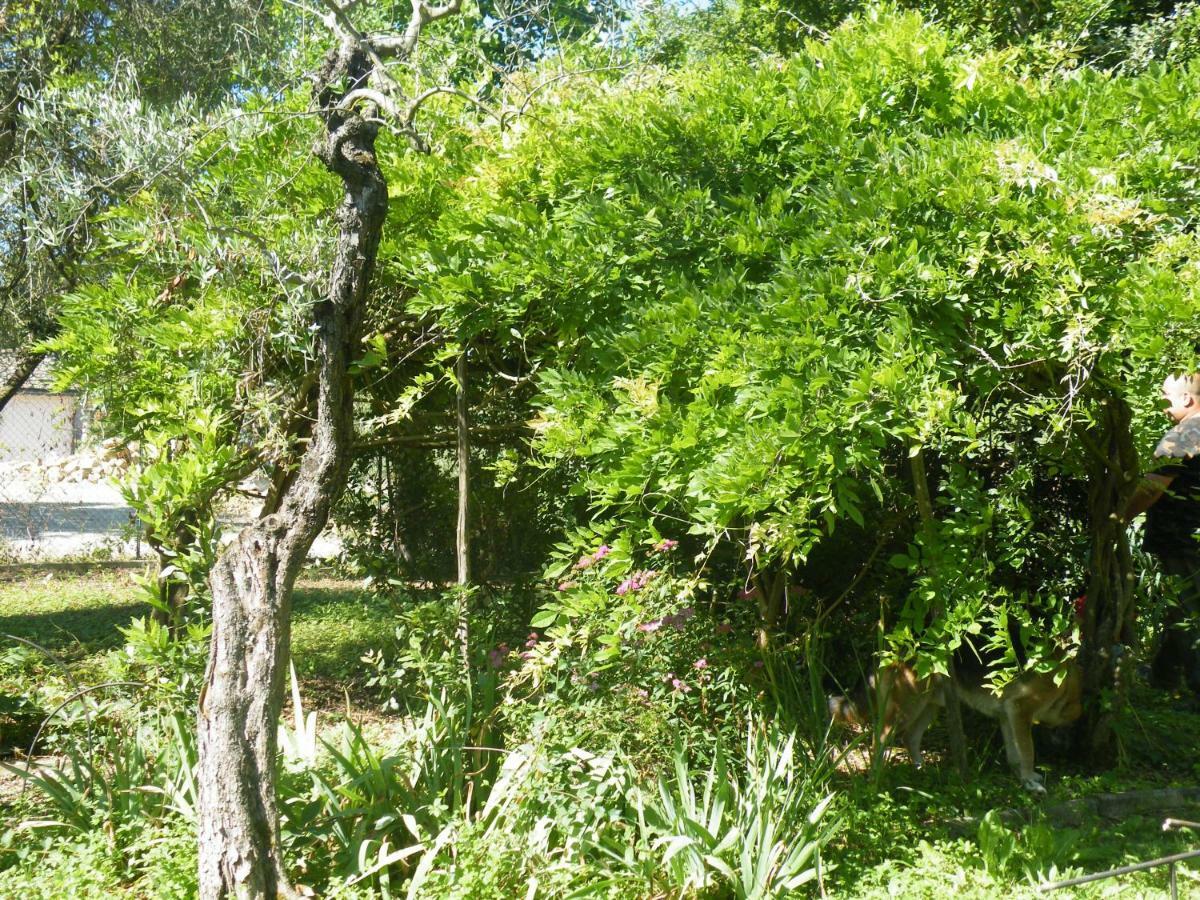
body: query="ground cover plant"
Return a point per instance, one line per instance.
(357, 800)
(718, 358)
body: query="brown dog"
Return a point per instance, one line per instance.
(907, 705)
(1030, 698)
(897, 701)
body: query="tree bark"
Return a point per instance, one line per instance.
(252, 579)
(1111, 462)
(24, 366)
(173, 593)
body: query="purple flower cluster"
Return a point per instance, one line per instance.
(530, 643)
(635, 582)
(678, 684)
(675, 620)
(666, 545)
(497, 656)
(586, 562)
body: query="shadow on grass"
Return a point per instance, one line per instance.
(73, 632)
(334, 625)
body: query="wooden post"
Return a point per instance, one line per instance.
(462, 539)
(958, 741)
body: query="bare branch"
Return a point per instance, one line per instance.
(562, 76)
(380, 99)
(338, 20)
(403, 45)
(415, 106)
(489, 435)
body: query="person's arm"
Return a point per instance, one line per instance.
(1149, 489)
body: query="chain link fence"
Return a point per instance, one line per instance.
(58, 496)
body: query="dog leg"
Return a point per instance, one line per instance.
(1017, 727)
(883, 740)
(916, 731)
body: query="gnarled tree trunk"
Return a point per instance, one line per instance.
(253, 577)
(1112, 466)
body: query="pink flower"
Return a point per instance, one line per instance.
(497, 655)
(568, 585)
(650, 627)
(585, 562)
(641, 693)
(532, 641)
(665, 545)
(602, 551)
(635, 582)
(680, 686)
(701, 663)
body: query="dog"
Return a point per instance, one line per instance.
(898, 701)
(907, 705)
(1030, 698)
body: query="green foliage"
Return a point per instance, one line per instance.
(172, 342)
(740, 299)
(119, 778)
(171, 665)
(1058, 32)
(754, 291)
(757, 833)
(630, 657)
(559, 806)
(369, 816)
(1172, 38)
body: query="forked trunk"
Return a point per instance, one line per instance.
(252, 580)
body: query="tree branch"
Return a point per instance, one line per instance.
(445, 440)
(402, 45)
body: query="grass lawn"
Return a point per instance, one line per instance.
(76, 619)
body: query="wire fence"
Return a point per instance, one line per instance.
(59, 487)
(58, 493)
(1171, 862)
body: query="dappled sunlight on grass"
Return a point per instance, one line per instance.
(335, 622)
(921, 833)
(77, 617)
